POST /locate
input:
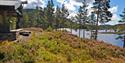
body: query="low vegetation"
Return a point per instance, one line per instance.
(59, 47)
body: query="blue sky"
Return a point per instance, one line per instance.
(120, 4)
(117, 7)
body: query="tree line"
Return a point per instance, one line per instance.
(49, 17)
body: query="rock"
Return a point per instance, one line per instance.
(25, 33)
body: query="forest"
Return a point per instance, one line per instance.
(51, 17)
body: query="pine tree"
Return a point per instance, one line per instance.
(82, 17)
(92, 22)
(49, 12)
(122, 29)
(64, 12)
(64, 15)
(123, 17)
(57, 17)
(103, 15)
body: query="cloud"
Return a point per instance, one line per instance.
(33, 3)
(71, 5)
(73, 14)
(87, 1)
(115, 18)
(61, 1)
(90, 9)
(114, 11)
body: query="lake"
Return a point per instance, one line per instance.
(107, 38)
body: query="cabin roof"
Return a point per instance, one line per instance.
(12, 5)
(9, 2)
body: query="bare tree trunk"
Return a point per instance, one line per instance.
(83, 33)
(71, 29)
(91, 36)
(19, 21)
(79, 32)
(80, 29)
(96, 31)
(124, 41)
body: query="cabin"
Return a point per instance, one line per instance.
(10, 8)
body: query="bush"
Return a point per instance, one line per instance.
(49, 28)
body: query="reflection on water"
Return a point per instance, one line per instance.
(108, 38)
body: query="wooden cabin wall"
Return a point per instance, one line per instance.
(4, 24)
(1, 19)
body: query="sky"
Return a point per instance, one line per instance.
(117, 7)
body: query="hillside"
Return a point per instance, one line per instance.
(58, 47)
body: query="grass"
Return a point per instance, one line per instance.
(59, 47)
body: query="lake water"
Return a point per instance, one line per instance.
(108, 38)
(111, 39)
